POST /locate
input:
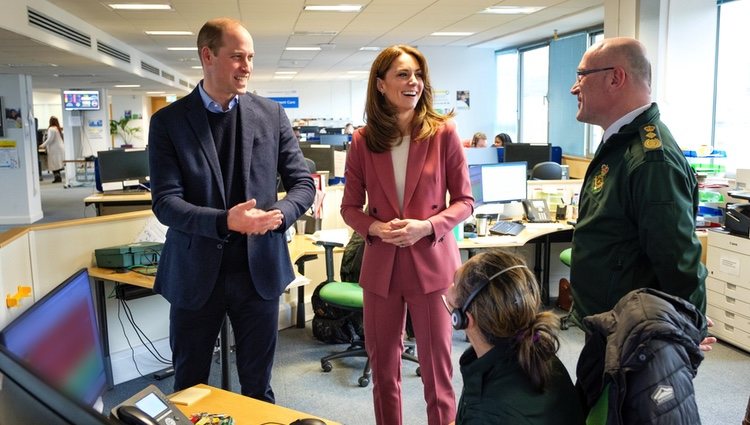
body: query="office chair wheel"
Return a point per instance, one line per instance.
(326, 366)
(363, 381)
(419, 372)
(409, 351)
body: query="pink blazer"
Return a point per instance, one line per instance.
(436, 166)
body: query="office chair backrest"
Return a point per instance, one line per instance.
(547, 170)
(311, 165)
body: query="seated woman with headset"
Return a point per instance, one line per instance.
(511, 374)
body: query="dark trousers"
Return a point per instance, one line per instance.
(193, 333)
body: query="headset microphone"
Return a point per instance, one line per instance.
(459, 320)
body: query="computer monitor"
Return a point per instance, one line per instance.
(123, 165)
(531, 154)
(498, 183)
(58, 338)
(337, 140)
(322, 155)
(479, 156)
(27, 398)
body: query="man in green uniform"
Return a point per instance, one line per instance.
(636, 223)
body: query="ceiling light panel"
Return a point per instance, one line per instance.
(140, 6)
(334, 8)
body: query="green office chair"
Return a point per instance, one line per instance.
(348, 296)
(565, 321)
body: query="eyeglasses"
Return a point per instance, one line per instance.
(584, 72)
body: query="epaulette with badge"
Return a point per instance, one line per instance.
(651, 140)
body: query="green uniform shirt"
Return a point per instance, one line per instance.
(636, 222)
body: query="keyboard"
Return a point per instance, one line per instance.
(507, 228)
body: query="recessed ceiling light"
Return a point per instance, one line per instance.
(169, 32)
(196, 67)
(335, 8)
(511, 10)
(369, 48)
(182, 48)
(127, 86)
(140, 6)
(303, 49)
(283, 77)
(155, 92)
(451, 33)
(286, 72)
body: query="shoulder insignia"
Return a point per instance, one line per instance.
(650, 137)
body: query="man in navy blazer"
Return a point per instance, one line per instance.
(214, 157)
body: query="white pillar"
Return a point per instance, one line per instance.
(19, 169)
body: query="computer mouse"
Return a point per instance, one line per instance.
(308, 421)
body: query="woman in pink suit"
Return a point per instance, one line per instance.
(403, 163)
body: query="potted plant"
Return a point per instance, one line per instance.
(122, 128)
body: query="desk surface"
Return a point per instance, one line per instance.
(299, 246)
(532, 230)
(245, 410)
(136, 196)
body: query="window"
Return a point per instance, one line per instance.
(534, 80)
(732, 121)
(594, 133)
(507, 94)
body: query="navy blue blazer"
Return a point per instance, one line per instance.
(188, 196)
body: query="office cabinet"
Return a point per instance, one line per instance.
(728, 287)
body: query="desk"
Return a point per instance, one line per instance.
(245, 410)
(115, 204)
(301, 249)
(84, 164)
(540, 234)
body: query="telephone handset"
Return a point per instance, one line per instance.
(149, 407)
(536, 211)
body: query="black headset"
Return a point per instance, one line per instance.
(458, 315)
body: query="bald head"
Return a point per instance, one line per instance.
(628, 53)
(614, 78)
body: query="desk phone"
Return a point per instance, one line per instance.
(536, 211)
(149, 407)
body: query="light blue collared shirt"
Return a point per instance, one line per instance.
(211, 105)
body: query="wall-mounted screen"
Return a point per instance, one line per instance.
(81, 100)
(498, 183)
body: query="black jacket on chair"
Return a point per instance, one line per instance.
(646, 350)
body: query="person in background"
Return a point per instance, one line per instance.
(479, 140)
(214, 155)
(297, 133)
(53, 144)
(404, 162)
(511, 374)
(349, 128)
(501, 140)
(636, 217)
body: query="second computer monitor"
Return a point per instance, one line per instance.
(531, 154)
(121, 165)
(498, 183)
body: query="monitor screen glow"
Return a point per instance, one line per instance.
(58, 337)
(498, 183)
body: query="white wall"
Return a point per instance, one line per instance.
(343, 101)
(473, 69)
